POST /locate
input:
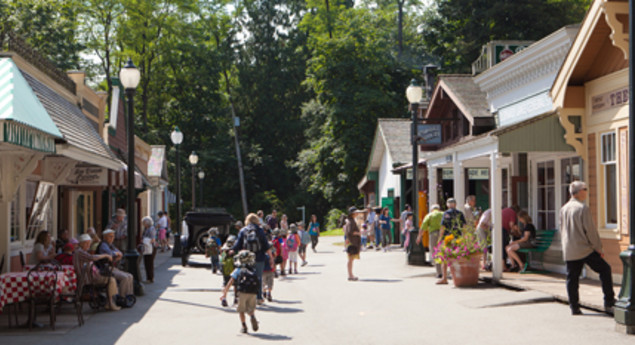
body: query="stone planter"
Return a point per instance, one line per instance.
(465, 270)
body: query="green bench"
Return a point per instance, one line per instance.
(543, 242)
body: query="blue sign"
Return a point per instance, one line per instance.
(429, 134)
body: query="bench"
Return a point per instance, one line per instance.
(543, 242)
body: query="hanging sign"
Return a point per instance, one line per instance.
(429, 134)
(20, 135)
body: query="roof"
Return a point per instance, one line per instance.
(467, 96)
(72, 123)
(396, 136)
(18, 102)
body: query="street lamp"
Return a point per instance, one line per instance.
(201, 176)
(129, 77)
(177, 138)
(193, 161)
(416, 254)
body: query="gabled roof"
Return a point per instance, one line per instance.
(463, 92)
(392, 136)
(74, 126)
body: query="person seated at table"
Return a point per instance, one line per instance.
(66, 257)
(83, 258)
(43, 250)
(95, 239)
(62, 239)
(526, 241)
(124, 279)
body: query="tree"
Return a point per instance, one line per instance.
(455, 30)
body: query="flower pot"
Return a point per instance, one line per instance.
(465, 270)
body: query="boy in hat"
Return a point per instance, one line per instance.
(248, 282)
(227, 262)
(212, 247)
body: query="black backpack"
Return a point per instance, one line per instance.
(251, 242)
(247, 281)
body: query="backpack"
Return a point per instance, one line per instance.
(251, 242)
(306, 238)
(211, 247)
(228, 264)
(247, 281)
(291, 242)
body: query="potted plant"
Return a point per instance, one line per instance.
(461, 251)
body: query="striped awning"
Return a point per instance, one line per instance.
(24, 121)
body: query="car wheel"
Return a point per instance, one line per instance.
(201, 241)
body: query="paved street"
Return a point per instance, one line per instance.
(392, 303)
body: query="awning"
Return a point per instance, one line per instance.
(542, 133)
(25, 122)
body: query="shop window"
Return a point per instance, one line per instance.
(610, 178)
(571, 170)
(546, 198)
(16, 217)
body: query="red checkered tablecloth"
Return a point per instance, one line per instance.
(71, 277)
(14, 286)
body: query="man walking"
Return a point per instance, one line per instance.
(581, 245)
(452, 223)
(432, 224)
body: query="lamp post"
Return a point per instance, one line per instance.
(416, 254)
(130, 76)
(624, 310)
(201, 177)
(193, 160)
(177, 138)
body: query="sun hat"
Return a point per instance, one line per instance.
(352, 209)
(84, 238)
(121, 212)
(108, 231)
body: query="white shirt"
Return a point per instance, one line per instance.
(162, 223)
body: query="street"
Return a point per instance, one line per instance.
(392, 303)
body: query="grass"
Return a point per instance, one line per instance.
(333, 232)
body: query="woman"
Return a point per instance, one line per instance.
(384, 223)
(284, 222)
(526, 241)
(82, 258)
(43, 250)
(353, 241)
(94, 239)
(149, 235)
(314, 231)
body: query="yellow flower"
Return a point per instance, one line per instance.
(448, 239)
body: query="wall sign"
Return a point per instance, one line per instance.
(478, 174)
(608, 100)
(17, 134)
(88, 176)
(448, 174)
(429, 134)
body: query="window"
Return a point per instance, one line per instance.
(571, 170)
(505, 189)
(41, 215)
(15, 217)
(610, 178)
(546, 197)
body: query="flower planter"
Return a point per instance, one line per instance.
(465, 270)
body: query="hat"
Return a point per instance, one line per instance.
(121, 212)
(435, 207)
(293, 228)
(108, 231)
(451, 201)
(84, 238)
(68, 246)
(352, 209)
(239, 223)
(73, 241)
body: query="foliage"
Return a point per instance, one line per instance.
(458, 244)
(455, 30)
(333, 219)
(333, 233)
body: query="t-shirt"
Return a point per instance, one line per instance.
(313, 228)
(268, 267)
(453, 219)
(236, 273)
(508, 215)
(39, 248)
(532, 230)
(371, 217)
(432, 221)
(386, 225)
(485, 222)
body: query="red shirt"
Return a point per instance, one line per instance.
(508, 215)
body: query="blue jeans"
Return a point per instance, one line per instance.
(377, 235)
(215, 263)
(260, 267)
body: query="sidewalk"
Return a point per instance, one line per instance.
(554, 284)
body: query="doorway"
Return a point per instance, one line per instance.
(83, 212)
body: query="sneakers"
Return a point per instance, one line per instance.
(269, 298)
(304, 263)
(608, 306)
(243, 329)
(254, 323)
(260, 302)
(223, 303)
(576, 311)
(295, 271)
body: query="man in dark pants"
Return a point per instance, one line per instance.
(581, 245)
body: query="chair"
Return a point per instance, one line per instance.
(42, 282)
(1, 263)
(22, 261)
(91, 287)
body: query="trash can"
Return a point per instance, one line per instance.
(416, 251)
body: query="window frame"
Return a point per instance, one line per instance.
(605, 162)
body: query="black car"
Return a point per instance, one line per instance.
(198, 223)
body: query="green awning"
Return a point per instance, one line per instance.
(543, 133)
(24, 121)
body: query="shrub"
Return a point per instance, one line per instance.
(333, 218)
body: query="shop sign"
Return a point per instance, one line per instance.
(88, 176)
(429, 134)
(608, 100)
(17, 134)
(478, 174)
(448, 174)
(409, 174)
(504, 51)
(155, 164)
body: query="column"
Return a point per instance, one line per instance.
(459, 182)
(497, 228)
(433, 192)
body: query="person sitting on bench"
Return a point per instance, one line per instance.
(526, 241)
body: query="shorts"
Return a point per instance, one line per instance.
(302, 249)
(267, 279)
(246, 303)
(162, 234)
(526, 245)
(293, 257)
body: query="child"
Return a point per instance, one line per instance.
(227, 261)
(284, 250)
(267, 275)
(66, 256)
(247, 281)
(277, 252)
(293, 242)
(305, 239)
(364, 235)
(409, 226)
(212, 248)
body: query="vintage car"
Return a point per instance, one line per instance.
(198, 222)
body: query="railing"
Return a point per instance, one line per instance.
(11, 42)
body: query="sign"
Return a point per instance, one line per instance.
(447, 174)
(17, 134)
(504, 51)
(429, 134)
(409, 174)
(88, 176)
(155, 164)
(608, 100)
(478, 174)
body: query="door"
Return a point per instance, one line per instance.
(390, 203)
(83, 212)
